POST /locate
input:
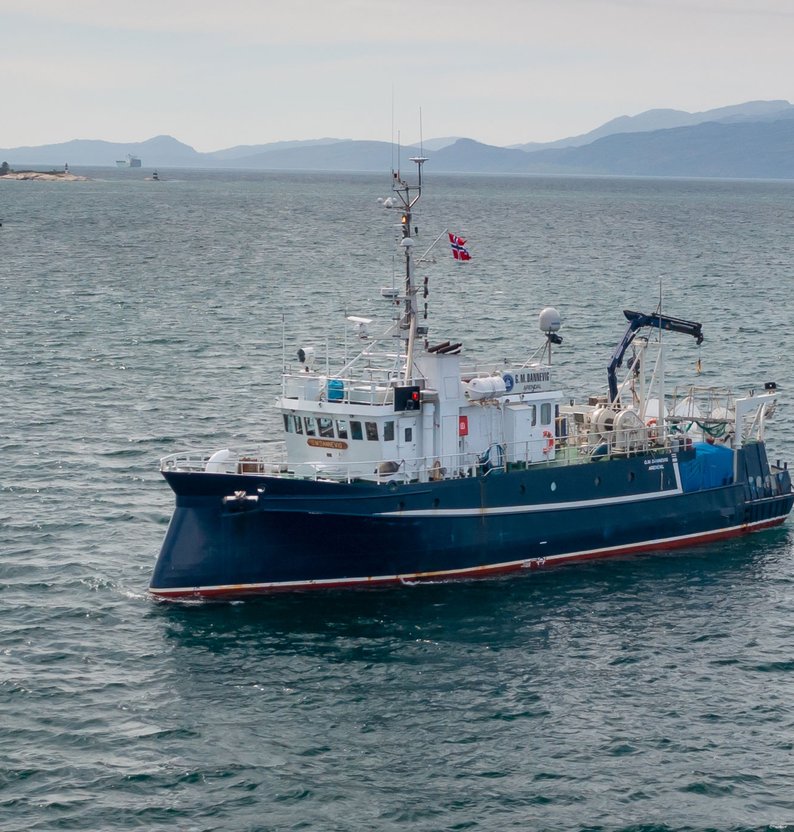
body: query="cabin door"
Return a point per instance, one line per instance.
(523, 434)
(407, 436)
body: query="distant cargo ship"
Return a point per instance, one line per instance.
(129, 162)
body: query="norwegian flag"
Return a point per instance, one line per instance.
(458, 246)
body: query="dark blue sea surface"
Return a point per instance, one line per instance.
(141, 318)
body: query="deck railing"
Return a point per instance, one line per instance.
(270, 460)
(315, 388)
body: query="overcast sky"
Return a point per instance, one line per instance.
(215, 73)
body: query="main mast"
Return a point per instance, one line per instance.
(410, 312)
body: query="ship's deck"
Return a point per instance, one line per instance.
(270, 460)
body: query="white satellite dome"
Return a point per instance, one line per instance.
(549, 320)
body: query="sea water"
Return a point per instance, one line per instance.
(142, 318)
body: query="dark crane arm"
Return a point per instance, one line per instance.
(638, 320)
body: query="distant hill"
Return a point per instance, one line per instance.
(751, 140)
(436, 144)
(89, 152)
(753, 150)
(161, 151)
(468, 155)
(763, 149)
(667, 119)
(341, 155)
(243, 150)
(164, 151)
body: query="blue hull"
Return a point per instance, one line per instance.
(299, 534)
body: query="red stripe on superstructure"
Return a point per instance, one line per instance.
(242, 590)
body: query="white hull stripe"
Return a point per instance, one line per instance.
(408, 578)
(534, 507)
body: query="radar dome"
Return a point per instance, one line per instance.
(549, 320)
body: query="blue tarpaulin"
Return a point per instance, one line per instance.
(711, 467)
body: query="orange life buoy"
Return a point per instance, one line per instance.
(549, 437)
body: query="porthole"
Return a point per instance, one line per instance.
(597, 481)
(436, 503)
(631, 476)
(553, 486)
(522, 488)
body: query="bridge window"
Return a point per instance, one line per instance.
(309, 422)
(388, 431)
(533, 415)
(326, 427)
(355, 430)
(341, 428)
(545, 413)
(287, 422)
(372, 431)
(298, 424)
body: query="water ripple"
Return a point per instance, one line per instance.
(643, 694)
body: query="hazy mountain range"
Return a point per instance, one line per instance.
(750, 140)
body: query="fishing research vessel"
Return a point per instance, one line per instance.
(412, 464)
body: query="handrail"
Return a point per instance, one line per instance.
(320, 388)
(566, 450)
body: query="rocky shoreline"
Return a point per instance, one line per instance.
(40, 176)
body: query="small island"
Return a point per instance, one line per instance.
(65, 175)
